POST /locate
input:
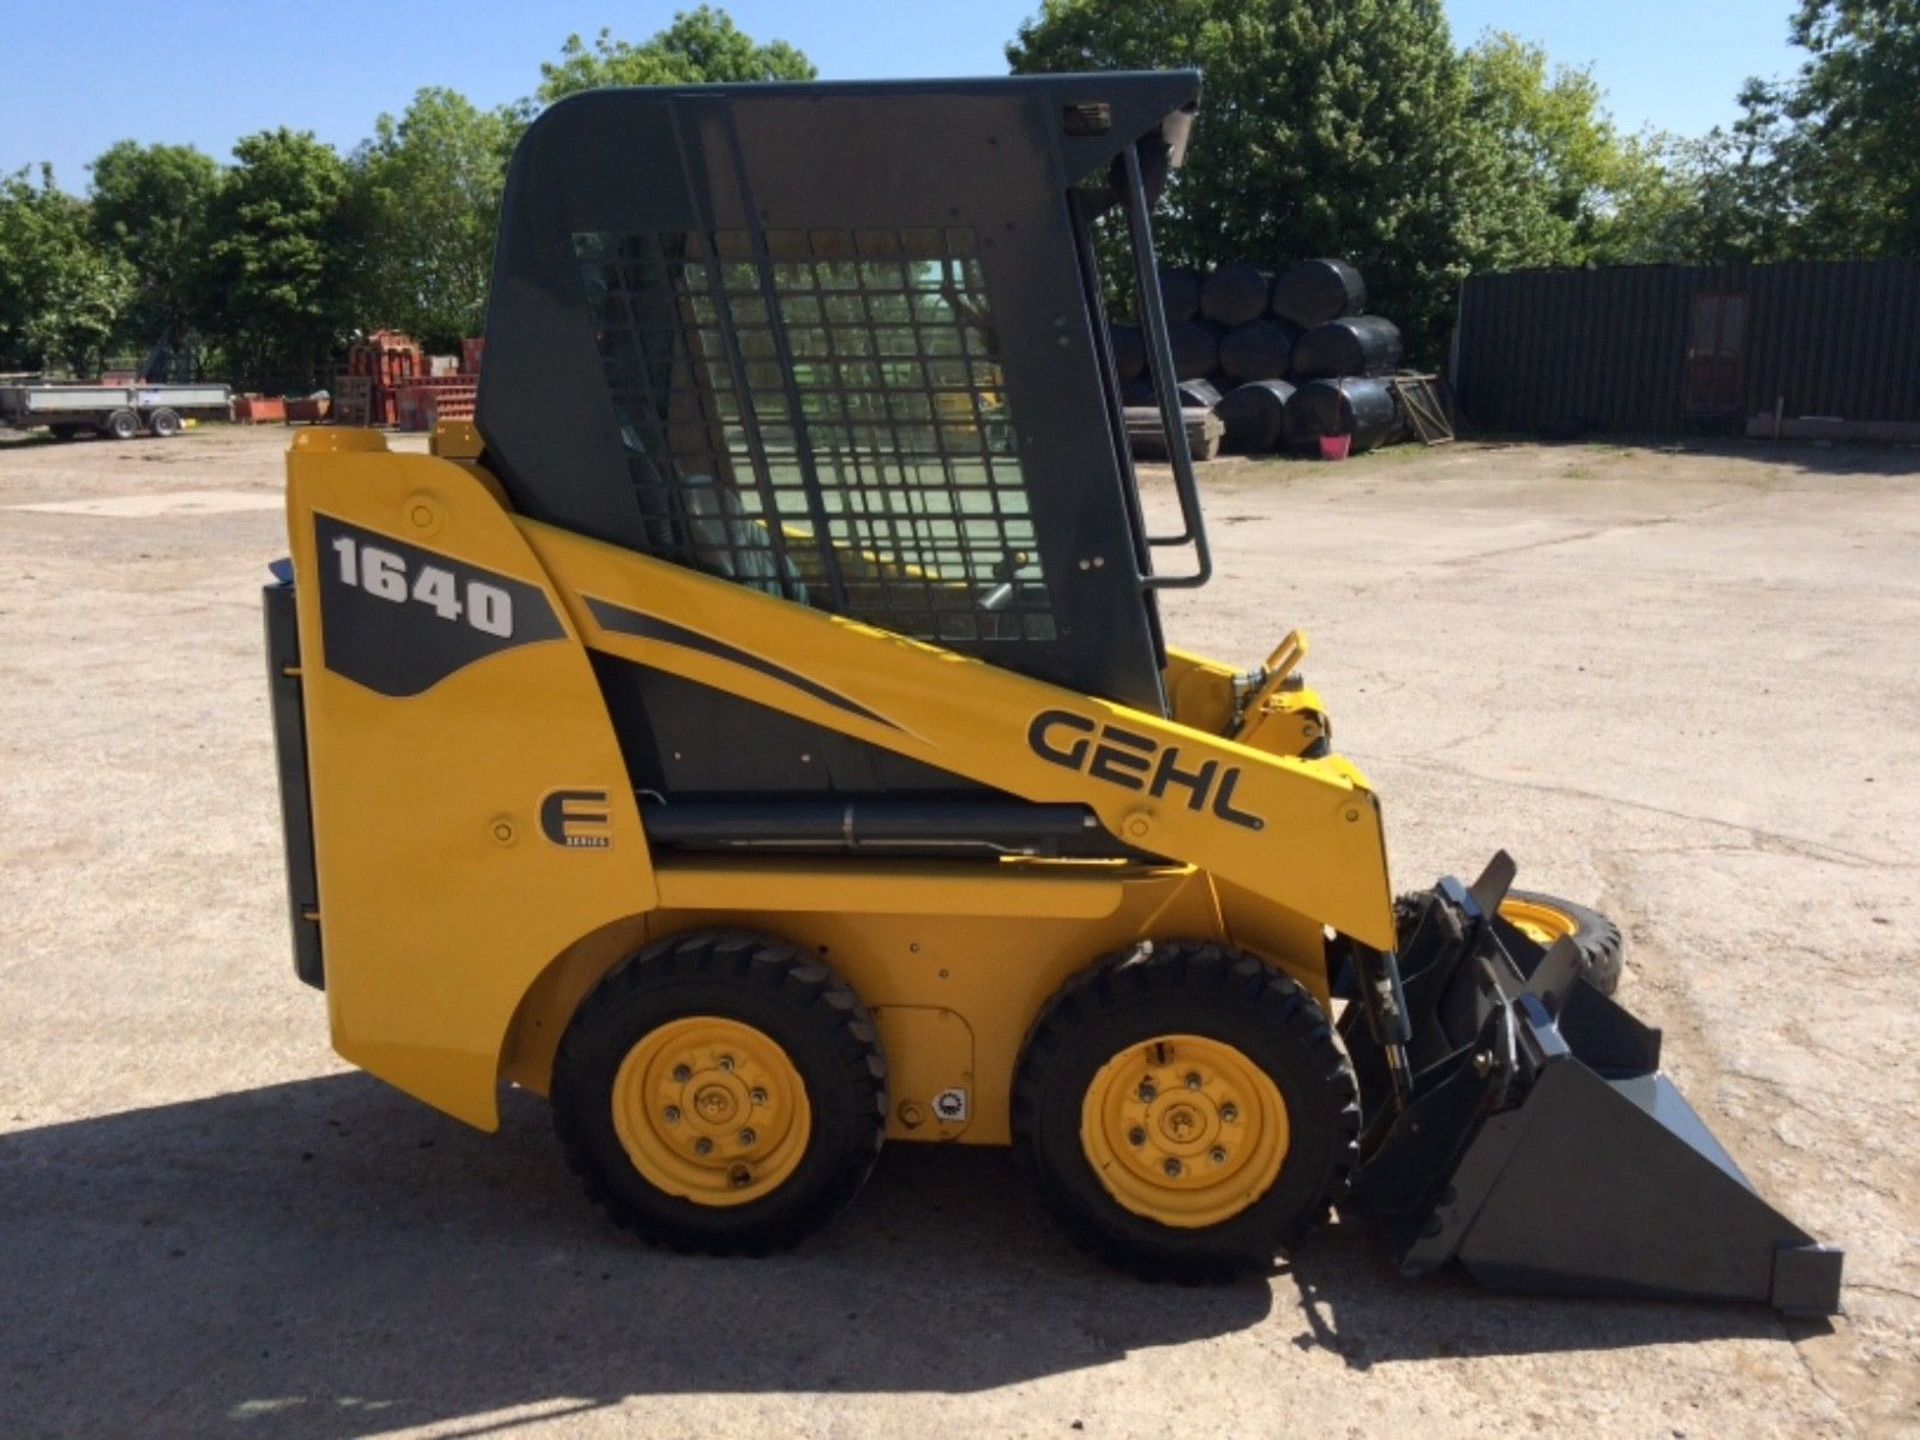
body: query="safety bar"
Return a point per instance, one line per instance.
(1166, 389)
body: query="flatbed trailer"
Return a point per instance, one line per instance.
(119, 412)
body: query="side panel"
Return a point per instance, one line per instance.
(1304, 833)
(985, 945)
(471, 813)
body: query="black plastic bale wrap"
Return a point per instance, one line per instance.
(1236, 293)
(1196, 349)
(1129, 350)
(1316, 291)
(1192, 393)
(1361, 408)
(1358, 345)
(1179, 293)
(1259, 350)
(1255, 415)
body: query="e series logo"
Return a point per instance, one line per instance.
(1136, 762)
(576, 819)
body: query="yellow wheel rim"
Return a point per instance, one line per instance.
(711, 1110)
(1541, 924)
(1184, 1130)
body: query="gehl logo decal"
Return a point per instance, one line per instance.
(576, 819)
(1136, 762)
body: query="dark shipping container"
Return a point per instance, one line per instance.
(1679, 349)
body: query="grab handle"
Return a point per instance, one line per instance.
(1153, 320)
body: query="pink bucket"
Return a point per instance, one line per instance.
(1335, 447)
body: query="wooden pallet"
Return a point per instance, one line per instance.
(352, 400)
(1147, 438)
(1420, 402)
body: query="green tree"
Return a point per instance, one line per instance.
(284, 256)
(1567, 188)
(149, 208)
(1328, 127)
(62, 294)
(428, 200)
(1822, 165)
(1847, 128)
(1739, 204)
(700, 47)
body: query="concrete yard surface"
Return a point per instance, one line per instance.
(1682, 684)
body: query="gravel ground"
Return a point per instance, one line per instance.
(1684, 685)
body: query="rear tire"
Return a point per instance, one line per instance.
(738, 1043)
(121, 425)
(1094, 1135)
(165, 423)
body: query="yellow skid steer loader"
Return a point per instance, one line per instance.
(755, 734)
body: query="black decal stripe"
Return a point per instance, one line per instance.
(404, 647)
(623, 621)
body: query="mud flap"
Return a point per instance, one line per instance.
(1542, 1148)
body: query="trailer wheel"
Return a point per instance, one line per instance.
(1185, 1112)
(721, 1092)
(122, 425)
(1544, 919)
(165, 423)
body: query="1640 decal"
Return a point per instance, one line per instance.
(399, 619)
(382, 573)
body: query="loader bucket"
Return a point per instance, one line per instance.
(1541, 1147)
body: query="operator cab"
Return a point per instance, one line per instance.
(845, 344)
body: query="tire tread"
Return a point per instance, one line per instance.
(760, 963)
(1161, 972)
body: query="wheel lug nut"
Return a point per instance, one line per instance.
(1193, 1080)
(681, 1074)
(739, 1177)
(673, 1114)
(703, 1146)
(757, 1095)
(1147, 1092)
(1218, 1156)
(1172, 1167)
(747, 1137)
(726, 1062)
(1136, 1136)
(1229, 1113)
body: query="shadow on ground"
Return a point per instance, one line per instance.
(327, 1258)
(1814, 457)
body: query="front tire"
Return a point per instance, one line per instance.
(122, 425)
(721, 1092)
(1185, 1112)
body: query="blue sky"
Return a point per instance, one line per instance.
(76, 77)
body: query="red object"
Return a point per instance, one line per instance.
(258, 409)
(472, 352)
(1335, 447)
(444, 405)
(307, 409)
(391, 360)
(413, 408)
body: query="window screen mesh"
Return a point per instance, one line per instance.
(826, 421)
